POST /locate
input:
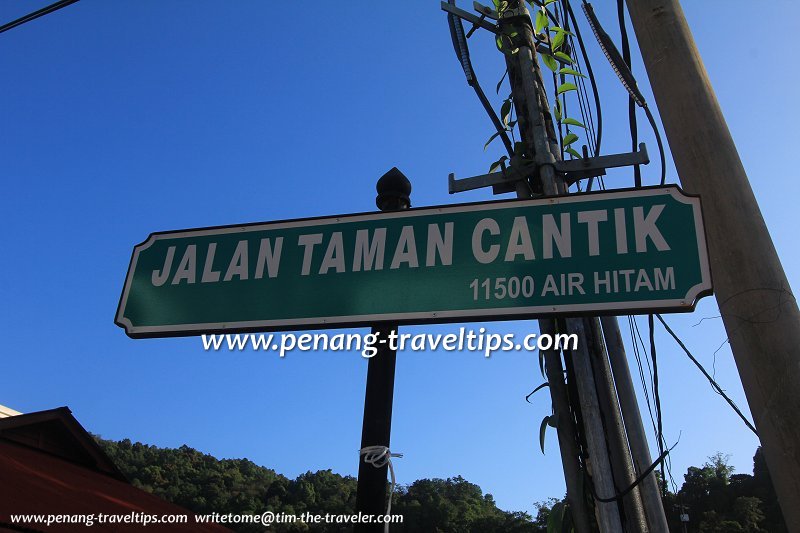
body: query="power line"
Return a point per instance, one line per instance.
(36, 14)
(714, 384)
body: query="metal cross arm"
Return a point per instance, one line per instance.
(485, 11)
(501, 182)
(587, 167)
(480, 22)
(469, 17)
(573, 170)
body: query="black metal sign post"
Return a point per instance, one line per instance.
(394, 192)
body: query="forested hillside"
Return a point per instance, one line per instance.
(716, 499)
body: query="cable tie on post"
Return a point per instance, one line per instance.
(380, 456)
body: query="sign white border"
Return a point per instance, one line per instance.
(683, 304)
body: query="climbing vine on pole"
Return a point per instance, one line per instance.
(557, 59)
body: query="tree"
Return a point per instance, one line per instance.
(719, 501)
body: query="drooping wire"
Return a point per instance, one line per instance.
(639, 347)
(660, 144)
(657, 397)
(626, 56)
(646, 387)
(583, 96)
(587, 117)
(711, 380)
(625, 76)
(590, 74)
(462, 53)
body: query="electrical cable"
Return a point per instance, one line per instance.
(645, 386)
(625, 76)
(462, 53)
(636, 334)
(583, 97)
(626, 56)
(660, 144)
(713, 383)
(657, 396)
(636, 482)
(592, 80)
(36, 14)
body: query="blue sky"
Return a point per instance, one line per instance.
(124, 118)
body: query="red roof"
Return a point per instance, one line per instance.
(34, 481)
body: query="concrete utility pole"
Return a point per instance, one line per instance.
(592, 414)
(637, 438)
(394, 192)
(757, 305)
(536, 130)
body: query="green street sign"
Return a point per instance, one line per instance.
(610, 252)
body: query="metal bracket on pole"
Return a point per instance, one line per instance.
(587, 167)
(574, 170)
(485, 11)
(501, 182)
(469, 17)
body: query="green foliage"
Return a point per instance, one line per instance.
(454, 504)
(557, 40)
(497, 164)
(556, 58)
(203, 484)
(550, 62)
(542, 431)
(573, 122)
(571, 72)
(719, 501)
(494, 136)
(566, 87)
(564, 58)
(541, 21)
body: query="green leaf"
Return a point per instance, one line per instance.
(570, 138)
(493, 137)
(572, 71)
(573, 122)
(557, 41)
(573, 153)
(542, 430)
(557, 110)
(504, 46)
(505, 111)
(541, 21)
(564, 58)
(545, 384)
(541, 363)
(497, 164)
(550, 61)
(555, 520)
(548, 2)
(565, 87)
(499, 83)
(554, 29)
